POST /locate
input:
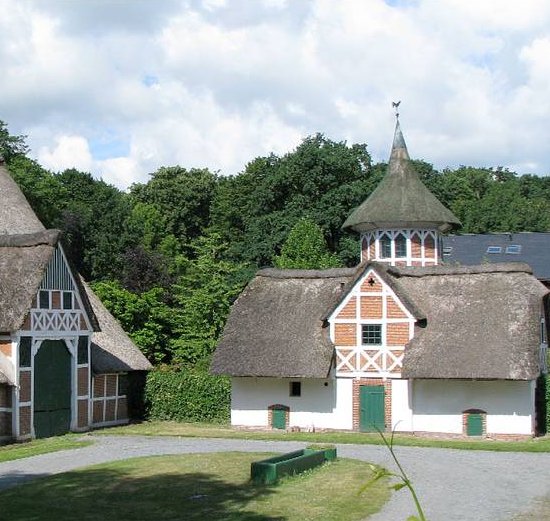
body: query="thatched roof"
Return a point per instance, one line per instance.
(473, 322)
(276, 326)
(401, 199)
(4, 379)
(112, 349)
(23, 261)
(482, 322)
(16, 214)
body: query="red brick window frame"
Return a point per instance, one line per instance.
(278, 407)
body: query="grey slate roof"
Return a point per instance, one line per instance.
(112, 349)
(276, 327)
(472, 249)
(482, 322)
(16, 214)
(401, 199)
(474, 322)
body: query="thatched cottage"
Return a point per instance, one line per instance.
(402, 342)
(65, 362)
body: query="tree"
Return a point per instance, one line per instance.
(145, 317)
(182, 197)
(204, 295)
(11, 146)
(306, 248)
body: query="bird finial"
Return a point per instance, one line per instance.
(395, 105)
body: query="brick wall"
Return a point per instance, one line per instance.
(82, 381)
(83, 413)
(371, 306)
(24, 421)
(24, 386)
(5, 396)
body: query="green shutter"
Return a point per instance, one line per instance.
(371, 408)
(474, 426)
(278, 419)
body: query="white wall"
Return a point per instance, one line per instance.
(401, 411)
(321, 406)
(438, 405)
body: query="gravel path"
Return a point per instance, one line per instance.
(453, 485)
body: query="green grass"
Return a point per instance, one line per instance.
(42, 446)
(202, 430)
(196, 487)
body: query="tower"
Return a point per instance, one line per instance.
(401, 221)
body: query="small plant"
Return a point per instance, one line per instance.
(404, 480)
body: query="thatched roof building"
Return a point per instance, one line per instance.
(277, 328)
(478, 322)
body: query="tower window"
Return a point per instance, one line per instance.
(400, 246)
(385, 247)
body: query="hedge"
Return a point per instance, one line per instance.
(190, 395)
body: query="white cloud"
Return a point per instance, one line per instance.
(68, 152)
(210, 83)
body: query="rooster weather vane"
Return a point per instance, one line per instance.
(395, 105)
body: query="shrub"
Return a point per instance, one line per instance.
(190, 395)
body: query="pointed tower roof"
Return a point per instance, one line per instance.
(401, 200)
(16, 214)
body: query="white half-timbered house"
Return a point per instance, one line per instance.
(54, 375)
(401, 342)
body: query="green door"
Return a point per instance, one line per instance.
(371, 408)
(474, 426)
(52, 389)
(278, 419)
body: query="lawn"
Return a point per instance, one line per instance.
(43, 446)
(204, 430)
(196, 486)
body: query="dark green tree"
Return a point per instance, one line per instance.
(306, 248)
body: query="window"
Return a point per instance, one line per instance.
(447, 250)
(67, 300)
(44, 299)
(122, 384)
(371, 334)
(385, 247)
(494, 249)
(513, 249)
(25, 343)
(400, 246)
(82, 349)
(295, 389)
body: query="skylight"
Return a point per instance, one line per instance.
(494, 249)
(513, 249)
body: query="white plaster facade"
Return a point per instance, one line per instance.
(322, 404)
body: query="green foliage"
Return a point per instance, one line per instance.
(182, 197)
(145, 317)
(11, 146)
(204, 295)
(546, 384)
(187, 395)
(305, 248)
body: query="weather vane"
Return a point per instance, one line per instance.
(395, 105)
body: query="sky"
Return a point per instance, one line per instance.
(120, 88)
